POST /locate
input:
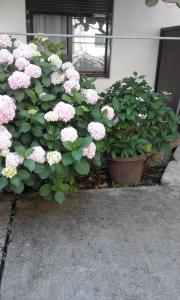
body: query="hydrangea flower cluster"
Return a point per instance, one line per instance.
(96, 130)
(71, 84)
(33, 71)
(57, 78)
(48, 126)
(13, 160)
(19, 80)
(90, 151)
(55, 60)
(109, 112)
(69, 134)
(38, 155)
(5, 41)
(53, 157)
(65, 111)
(5, 138)
(7, 109)
(21, 63)
(91, 96)
(6, 57)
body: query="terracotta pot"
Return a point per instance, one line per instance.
(126, 170)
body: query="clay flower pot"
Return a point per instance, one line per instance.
(126, 170)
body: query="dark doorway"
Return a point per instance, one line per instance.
(168, 66)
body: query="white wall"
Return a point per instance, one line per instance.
(132, 17)
(12, 16)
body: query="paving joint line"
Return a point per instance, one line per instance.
(7, 239)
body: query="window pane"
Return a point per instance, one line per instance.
(50, 24)
(89, 53)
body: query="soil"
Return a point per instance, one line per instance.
(100, 179)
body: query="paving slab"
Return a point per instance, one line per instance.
(171, 176)
(5, 211)
(110, 244)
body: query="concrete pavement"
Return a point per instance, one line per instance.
(111, 244)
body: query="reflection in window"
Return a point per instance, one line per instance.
(89, 54)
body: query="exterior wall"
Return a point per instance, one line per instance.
(12, 16)
(130, 18)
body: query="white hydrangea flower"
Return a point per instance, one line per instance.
(69, 134)
(57, 78)
(51, 116)
(91, 96)
(109, 111)
(53, 157)
(96, 130)
(142, 116)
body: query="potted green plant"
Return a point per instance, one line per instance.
(143, 122)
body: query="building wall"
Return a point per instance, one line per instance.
(131, 17)
(12, 16)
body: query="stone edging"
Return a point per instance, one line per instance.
(171, 176)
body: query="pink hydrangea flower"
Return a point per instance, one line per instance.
(72, 74)
(19, 80)
(51, 116)
(33, 71)
(64, 111)
(13, 160)
(57, 78)
(38, 155)
(21, 63)
(6, 57)
(67, 65)
(69, 134)
(96, 130)
(55, 60)
(91, 96)
(90, 151)
(5, 41)
(71, 84)
(109, 111)
(5, 138)
(23, 50)
(7, 109)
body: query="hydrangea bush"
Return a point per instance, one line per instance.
(144, 122)
(52, 122)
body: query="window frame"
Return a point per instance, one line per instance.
(108, 43)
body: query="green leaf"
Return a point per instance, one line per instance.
(16, 180)
(24, 174)
(39, 118)
(115, 104)
(37, 131)
(30, 165)
(19, 95)
(77, 154)
(59, 197)
(45, 190)
(3, 182)
(84, 142)
(38, 88)
(68, 145)
(67, 159)
(18, 189)
(82, 167)
(30, 93)
(46, 81)
(48, 97)
(25, 127)
(2, 77)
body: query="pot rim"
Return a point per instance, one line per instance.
(128, 159)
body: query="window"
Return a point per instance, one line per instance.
(91, 56)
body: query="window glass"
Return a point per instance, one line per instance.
(88, 54)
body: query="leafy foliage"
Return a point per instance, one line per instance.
(144, 120)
